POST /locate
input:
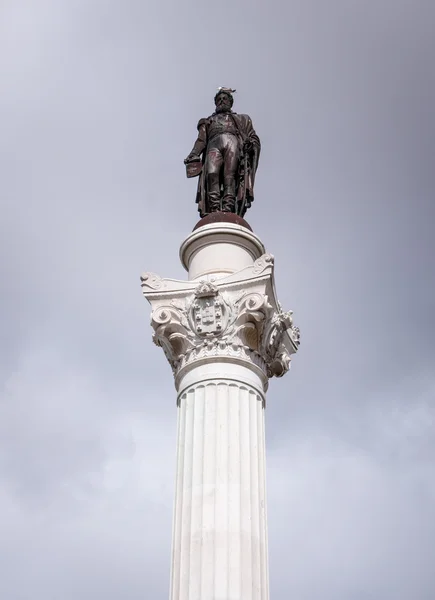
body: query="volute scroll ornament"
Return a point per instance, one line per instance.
(261, 264)
(151, 281)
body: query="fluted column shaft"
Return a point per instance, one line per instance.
(220, 532)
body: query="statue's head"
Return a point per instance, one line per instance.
(224, 99)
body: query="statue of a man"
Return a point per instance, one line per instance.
(225, 155)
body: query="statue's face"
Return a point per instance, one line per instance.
(223, 103)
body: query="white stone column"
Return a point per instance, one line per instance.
(224, 335)
(220, 532)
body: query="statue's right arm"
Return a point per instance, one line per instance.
(200, 144)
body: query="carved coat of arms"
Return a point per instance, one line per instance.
(208, 312)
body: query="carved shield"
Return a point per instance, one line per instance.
(207, 315)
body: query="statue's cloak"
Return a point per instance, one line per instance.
(250, 147)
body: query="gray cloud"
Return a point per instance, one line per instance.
(99, 105)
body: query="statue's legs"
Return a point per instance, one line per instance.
(223, 152)
(213, 165)
(231, 164)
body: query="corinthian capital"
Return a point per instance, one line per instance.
(236, 318)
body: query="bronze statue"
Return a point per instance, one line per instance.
(225, 156)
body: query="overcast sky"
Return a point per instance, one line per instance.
(99, 102)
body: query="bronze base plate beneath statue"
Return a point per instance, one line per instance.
(222, 217)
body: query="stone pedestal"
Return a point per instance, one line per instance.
(224, 335)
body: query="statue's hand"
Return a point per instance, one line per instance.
(192, 158)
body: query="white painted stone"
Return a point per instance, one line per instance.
(231, 371)
(220, 532)
(218, 249)
(224, 335)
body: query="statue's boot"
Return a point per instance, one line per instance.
(229, 199)
(214, 196)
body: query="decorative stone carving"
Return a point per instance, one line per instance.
(151, 281)
(208, 313)
(295, 334)
(240, 320)
(206, 289)
(262, 263)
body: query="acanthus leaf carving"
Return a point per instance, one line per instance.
(295, 335)
(171, 333)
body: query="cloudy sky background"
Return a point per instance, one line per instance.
(99, 103)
